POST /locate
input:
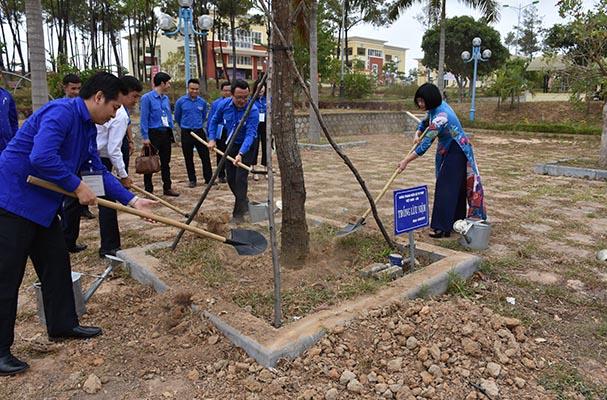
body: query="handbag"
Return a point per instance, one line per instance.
(148, 162)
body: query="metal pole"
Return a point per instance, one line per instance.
(472, 108)
(411, 251)
(187, 20)
(518, 29)
(343, 51)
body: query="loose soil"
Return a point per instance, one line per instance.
(329, 275)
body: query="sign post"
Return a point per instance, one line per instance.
(411, 213)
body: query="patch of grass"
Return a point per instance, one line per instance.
(359, 286)
(565, 381)
(570, 128)
(367, 247)
(458, 286)
(424, 291)
(601, 331)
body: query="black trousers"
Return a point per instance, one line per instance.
(221, 145)
(450, 193)
(260, 141)
(162, 140)
(108, 222)
(238, 180)
(20, 238)
(70, 222)
(188, 143)
(125, 152)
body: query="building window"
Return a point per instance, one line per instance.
(361, 51)
(244, 39)
(256, 37)
(375, 53)
(349, 51)
(388, 57)
(240, 60)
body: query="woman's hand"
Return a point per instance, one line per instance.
(416, 138)
(402, 165)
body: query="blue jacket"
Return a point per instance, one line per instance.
(8, 118)
(262, 104)
(230, 116)
(54, 144)
(153, 108)
(214, 107)
(190, 113)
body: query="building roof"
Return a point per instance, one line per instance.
(556, 63)
(390, 47)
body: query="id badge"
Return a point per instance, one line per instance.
(262, 117)
(94, 180)
(165, 121)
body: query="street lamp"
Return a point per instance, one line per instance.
(476, 57)
(518, 23)
(185, 27)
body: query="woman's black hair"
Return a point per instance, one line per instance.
(431, 95)
(256, 84)
(110, 85)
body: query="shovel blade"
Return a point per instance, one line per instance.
(247, 242)
(350, 228)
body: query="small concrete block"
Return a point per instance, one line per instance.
(372, 269)
(391, 272)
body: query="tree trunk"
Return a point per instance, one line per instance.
(215, 58)
(35, 45)
(603, 151)
(294, 233)
(233, 35)
(314, 126)
(440, 80)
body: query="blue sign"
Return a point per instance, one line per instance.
(410, 209)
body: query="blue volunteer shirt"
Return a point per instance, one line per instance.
(54, 144)
(214, 107)
(155, 111)
(190, 113)
(230, 116)
(8, 118)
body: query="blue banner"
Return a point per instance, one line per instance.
(410, 209)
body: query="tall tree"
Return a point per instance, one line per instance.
(460, 31)
(314, 125)
(294, 233)
(489, 8)
(231, 10)
(530, 31)
(35, 45)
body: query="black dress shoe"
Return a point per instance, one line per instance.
(192, 184)
(77, 248)
(171, 192)
(78, 332)
(86, 213)
(439, 234)
(222, 180)
(11, 365)
(103, 253)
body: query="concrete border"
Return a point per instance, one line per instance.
(266, 344)
(345, 145)
(554, 169)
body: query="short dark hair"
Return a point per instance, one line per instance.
(240, 84)
(431, 95)
(71, 78)
(110, 85)
(131, 84)
(224, 84)
(194, 80)
(161, 78)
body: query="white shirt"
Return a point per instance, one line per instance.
(109, 140)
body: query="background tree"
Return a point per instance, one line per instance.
(459, 34)
(586, 50)
(35, 45)
(510, 40)
(489, 8)
(294, 232)
(230, 10)
(530, 32)
(511, 81)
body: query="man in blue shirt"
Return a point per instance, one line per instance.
(231, 111)
(220, 136)
(156, 123)
(8, 118)
(190, 113)
(54, 144)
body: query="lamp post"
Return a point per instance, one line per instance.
(185, 27)
(476, 57)
(518, 22)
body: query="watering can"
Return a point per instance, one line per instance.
(475, 233)
(80, 297)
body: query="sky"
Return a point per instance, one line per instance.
(408, 32)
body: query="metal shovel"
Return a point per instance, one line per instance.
(351, 228)
(246, 242)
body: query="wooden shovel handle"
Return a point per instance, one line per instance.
(158, 199)
(221, 153)
(392, 178)
(129, 210)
